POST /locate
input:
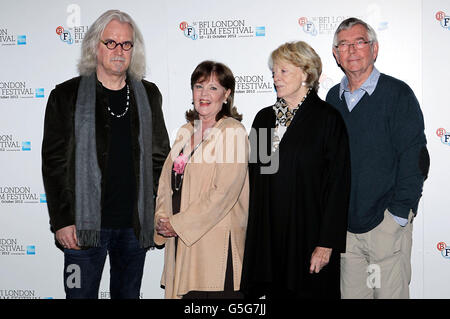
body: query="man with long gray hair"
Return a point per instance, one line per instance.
(103, 148)
(389, 163)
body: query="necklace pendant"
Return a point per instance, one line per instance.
(178, 187)
(126, 108)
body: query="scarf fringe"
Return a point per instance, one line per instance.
(146, 240)
(88, 238)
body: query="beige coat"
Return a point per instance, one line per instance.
(214, 206)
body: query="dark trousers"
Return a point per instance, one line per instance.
(83, 268)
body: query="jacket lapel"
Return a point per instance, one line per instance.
(301, 115)
(102, 126)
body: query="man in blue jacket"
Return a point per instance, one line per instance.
(389, 162)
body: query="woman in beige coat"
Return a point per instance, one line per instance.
(202, 204)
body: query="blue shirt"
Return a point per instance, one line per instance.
(368, 86)
(352, 99)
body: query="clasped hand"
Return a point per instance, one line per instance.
(164, 228)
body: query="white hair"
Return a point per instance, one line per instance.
(88, 61)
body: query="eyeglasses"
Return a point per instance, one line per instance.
(111, 44)
(358, 45)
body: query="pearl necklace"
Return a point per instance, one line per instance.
(126, 108)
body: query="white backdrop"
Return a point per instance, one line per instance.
(35, 55)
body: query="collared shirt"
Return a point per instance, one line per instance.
(368, 86)
(353, 98)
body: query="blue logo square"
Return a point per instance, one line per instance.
(260, 31)
(40, 92)
(31, 250)
(383, 26)
(26, 146)
(21, 39)
(43, 198)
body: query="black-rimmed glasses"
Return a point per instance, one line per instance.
(111, 44)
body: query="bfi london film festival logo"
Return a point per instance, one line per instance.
(315, 26)
(327, 25)
(444, 249)
(13, 247)
(73, 35)
(19, 90)
(326, 82)
(74, 32)
(443, 19)
(258, 83)
(253, 83)
(444, 136)
(9, 143)
(107, 295)
(20, 294)
(221, 29)
(8, 39)
(18, 195)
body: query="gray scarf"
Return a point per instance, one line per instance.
(88, 174)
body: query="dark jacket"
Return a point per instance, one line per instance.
(58, 147)
(302, 206)
(388, 150)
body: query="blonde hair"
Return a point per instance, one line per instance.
(302, 55)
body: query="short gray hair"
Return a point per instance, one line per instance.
(88, 61)
(350, 22)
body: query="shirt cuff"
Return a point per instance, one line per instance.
(401, 221)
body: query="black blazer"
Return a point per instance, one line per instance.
(58, 147)
(302, 206)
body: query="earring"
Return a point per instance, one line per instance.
(225, 102)
(304, 83)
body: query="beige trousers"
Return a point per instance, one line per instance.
(377, 264)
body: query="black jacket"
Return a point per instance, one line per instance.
(58, 147)
(302, 206)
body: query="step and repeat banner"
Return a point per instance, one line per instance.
(40, 46)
